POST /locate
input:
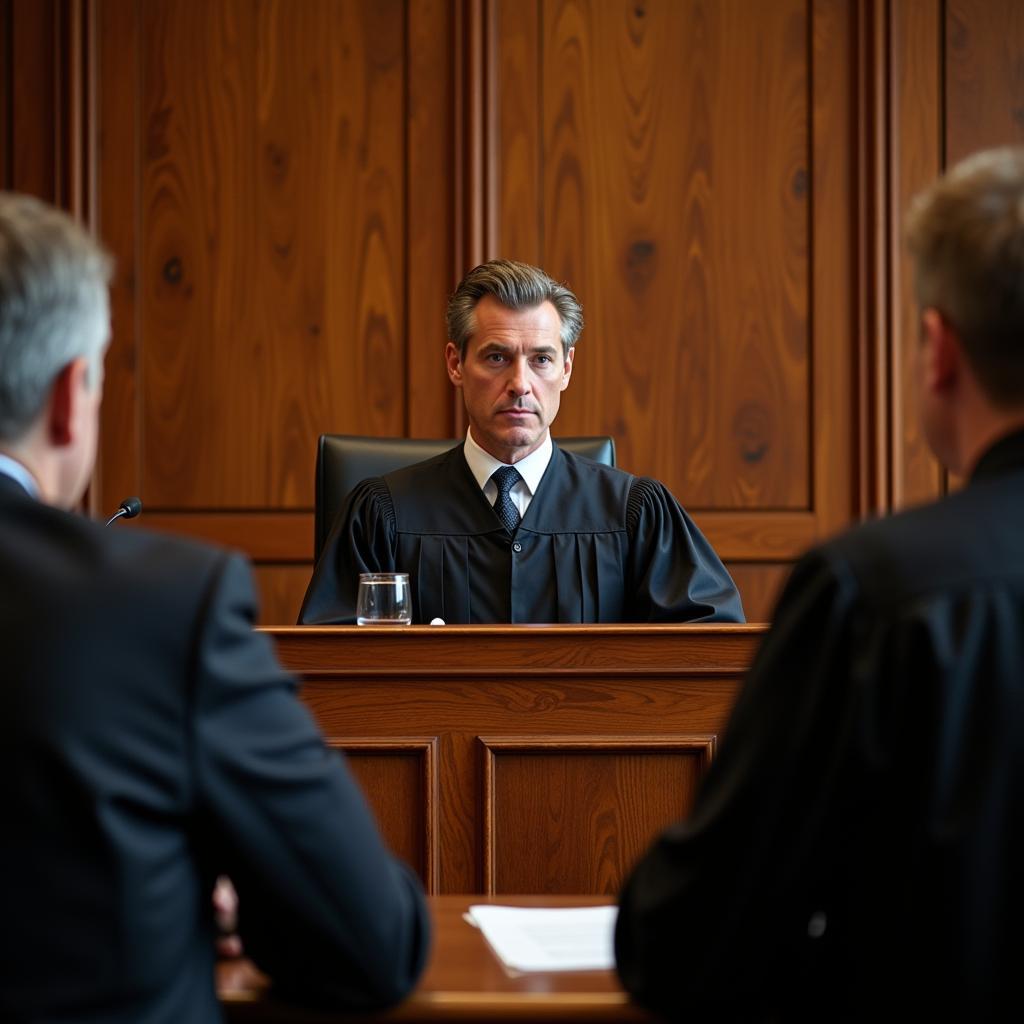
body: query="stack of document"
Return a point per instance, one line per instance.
(566, 939)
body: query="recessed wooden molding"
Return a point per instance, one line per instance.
(425, 748)
(557, 832)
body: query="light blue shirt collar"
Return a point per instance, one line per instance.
(17, 472)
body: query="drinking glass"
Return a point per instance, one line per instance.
(384, 599)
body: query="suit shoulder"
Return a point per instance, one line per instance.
(150, 549)
(157, 586)
(150, 566)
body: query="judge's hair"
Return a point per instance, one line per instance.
(516, 286)
(966, 235)
(53, 306)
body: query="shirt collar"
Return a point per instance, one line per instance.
(18, 473)
(1006, 455)
(482, 464)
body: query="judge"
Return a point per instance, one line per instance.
(508, 527)
(855, 850)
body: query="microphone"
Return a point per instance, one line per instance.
(129, 508)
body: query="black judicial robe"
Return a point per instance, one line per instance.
(857, 849)
(596, 545)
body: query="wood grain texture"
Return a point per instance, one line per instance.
(461, 651)
(273, 251)
(278, 536)
(460, 710)
(759, 585)
(873, 340)
(6, 94)
(279, 193)
(275, 183)
(119, 469)
(573, 814)
(916, 160)
(430, 159)
(833, 259)
(463, 981)
(270, 171)
(515, 191)
(33, 112)
(281, 590)
(674, 176)
(984, 75)
(756, 537)
(593, 691)
(402, 774)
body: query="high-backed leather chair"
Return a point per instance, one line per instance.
(343, 460)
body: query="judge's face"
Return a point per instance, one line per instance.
(512, 376)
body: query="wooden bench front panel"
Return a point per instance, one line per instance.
(523, 759)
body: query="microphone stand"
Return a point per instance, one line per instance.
(129, 508)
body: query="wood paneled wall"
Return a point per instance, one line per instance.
(46, 79)
(282, 178)
(291, 189)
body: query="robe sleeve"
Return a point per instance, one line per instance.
(674, 574)
(361, 540)
(718, 913)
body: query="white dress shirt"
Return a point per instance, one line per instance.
(482, 465)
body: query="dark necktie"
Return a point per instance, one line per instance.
(505, 479)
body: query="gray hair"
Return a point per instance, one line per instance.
(966, 236)
(54, 306)
(516, 286)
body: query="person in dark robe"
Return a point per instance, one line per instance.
(508, 527)
(855, 850)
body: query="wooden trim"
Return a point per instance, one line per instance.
(431, 208)
(470, 137)
(427, 748)
(6, 95)
(117, 73)
(455, 651)
(833, 264)
(263, 536)
(490, 143)
(32, 104)
(758, 536)
(874, 352)
(916, 145)
(287, 536)
(703, 745)
(540, 675)
(474, 138)
(503, 682)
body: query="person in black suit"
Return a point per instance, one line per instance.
(855, 850)
(149, 740)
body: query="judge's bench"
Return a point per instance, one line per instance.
(511, 760)
(522, 759)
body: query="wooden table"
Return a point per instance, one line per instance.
(511, 759)
(463, 981)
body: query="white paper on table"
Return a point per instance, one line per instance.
(549, 939)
